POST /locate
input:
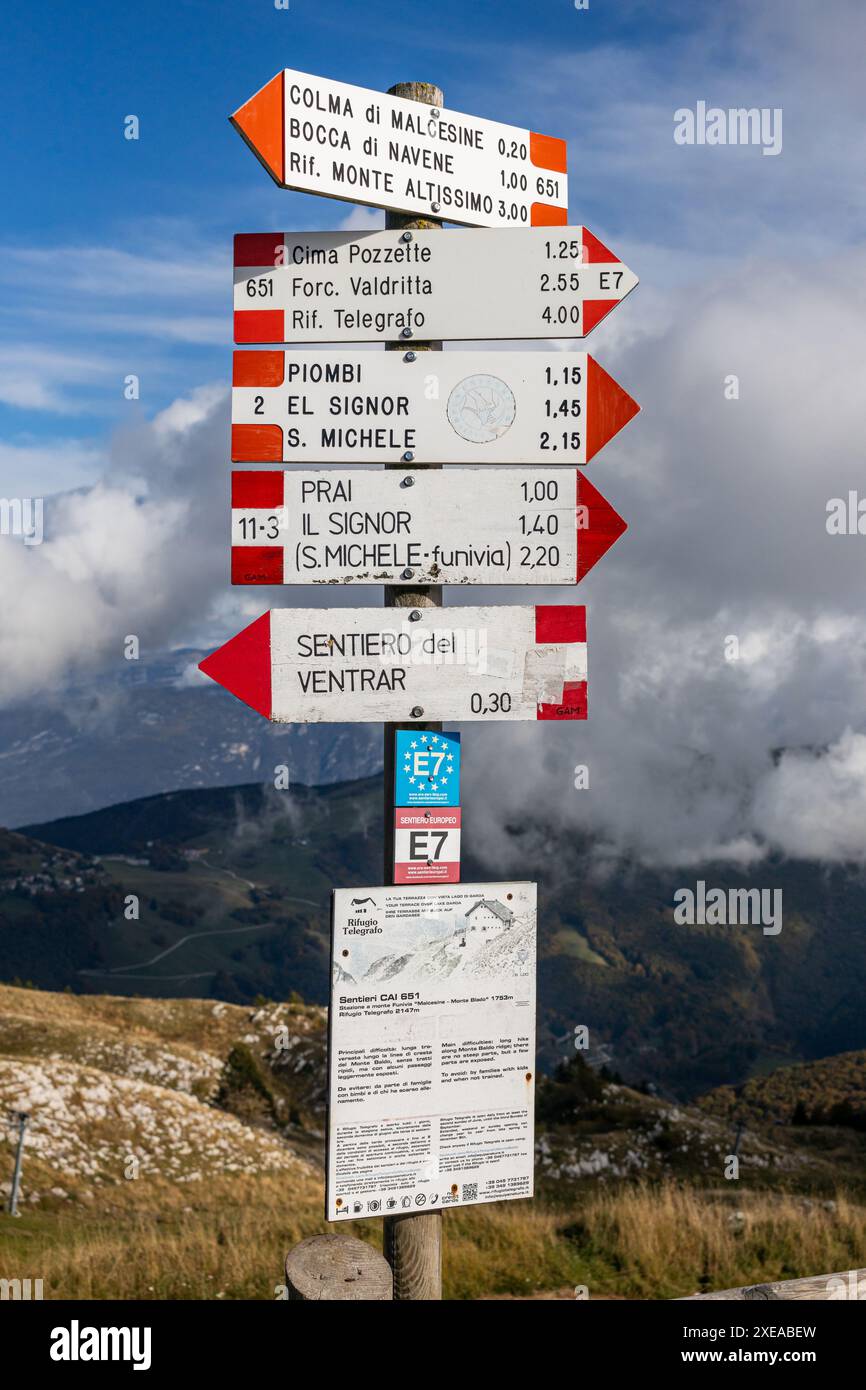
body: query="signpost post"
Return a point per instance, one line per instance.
(22, 1118)
(412, 1243)
(524, 274)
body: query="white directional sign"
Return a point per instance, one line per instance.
(354, 143)
(359, 526)
(356, 406)
(344, 287)
(431, 1058)
(306, 665)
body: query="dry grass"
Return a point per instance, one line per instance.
(228, 1238)
(669, 1241)
(225, 1235)
(222, 1239)
(506, 1248)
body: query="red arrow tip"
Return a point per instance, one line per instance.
(243, 665)
(594, 251)
(594, 310)
(608, 408)
(260, 122)
(598, 525)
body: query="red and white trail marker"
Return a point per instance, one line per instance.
(353, 143)
(355, 406)
(427, 844)
(362, 665)
(345, 287)
(475, 526)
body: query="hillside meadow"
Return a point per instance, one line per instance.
(175, 1152)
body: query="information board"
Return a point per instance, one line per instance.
(431, 1048)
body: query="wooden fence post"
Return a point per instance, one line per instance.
(337, 1267)
(412, 1242)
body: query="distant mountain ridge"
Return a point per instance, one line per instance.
(233, 886)
(148, 725)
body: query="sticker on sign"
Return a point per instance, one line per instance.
(355, 406)
(478, 526)
(307, 665)
(426, 769)
(431, 1057)
(353, 143)
(427, 844)
(342, 287)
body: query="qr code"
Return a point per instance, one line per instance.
(470, 1192)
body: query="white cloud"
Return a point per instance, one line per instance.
(34, 377)
(726, 505)
(726, 501)
(51, 465)
(360, 219)
(813, 804)
(110, 272)
(123, 557)
(170, 292)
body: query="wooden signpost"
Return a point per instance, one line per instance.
(411, 1243)
(358, 526)
(348, 142)
(418, 1131)
(355, 406)
(329, 287)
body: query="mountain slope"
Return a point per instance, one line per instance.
(813, 1086)
(175, 1151)
(154, 723)
(233, 888)
(120, 1090)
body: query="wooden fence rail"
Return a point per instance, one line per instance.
(848, 1283)
(341, 1267)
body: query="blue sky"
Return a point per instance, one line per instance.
(116, 251)
(115, 259)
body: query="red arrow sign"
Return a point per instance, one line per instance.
(350, 406)
(367, 665)
(342, 141)
(603, 526)
(356, 287)
(478, 526)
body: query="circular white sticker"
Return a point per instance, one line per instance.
(481, 408)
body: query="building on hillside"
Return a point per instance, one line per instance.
(484, 916)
